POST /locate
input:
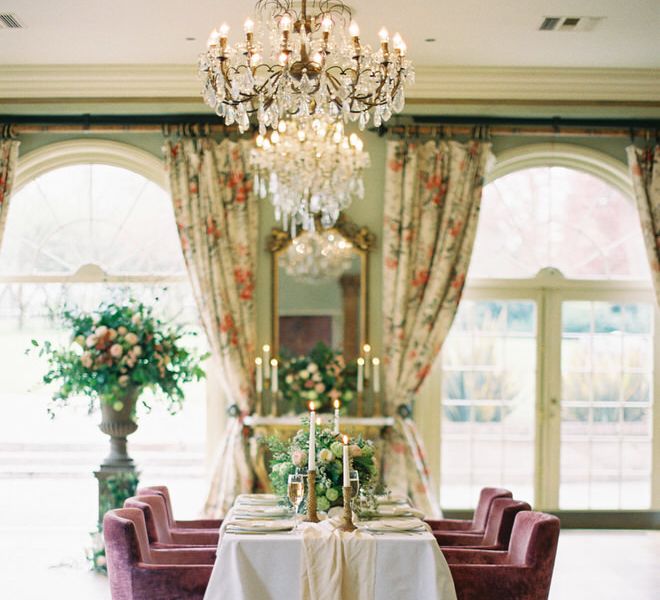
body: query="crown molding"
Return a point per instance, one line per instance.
(158, 83)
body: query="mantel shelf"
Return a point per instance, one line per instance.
(294, 420)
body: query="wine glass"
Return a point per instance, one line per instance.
(355, 484)
(296, 490)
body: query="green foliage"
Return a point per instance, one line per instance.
(291, 456)
(116, 348)
(321, 377)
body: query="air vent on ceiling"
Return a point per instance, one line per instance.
(569, 23)
(10, 21)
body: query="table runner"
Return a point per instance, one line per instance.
(337, 565)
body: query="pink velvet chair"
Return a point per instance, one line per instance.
(478, 523)
(498, 528)
(138, 572)
(161, 490)
(158, 531)
(524, 572)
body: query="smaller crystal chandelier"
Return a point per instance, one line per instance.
(309, 168)
(316, 257)
(292, 62)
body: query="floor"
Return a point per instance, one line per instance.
(590, 565)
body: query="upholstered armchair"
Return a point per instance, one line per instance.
(161, 490)
(138, 572)
(478, 523)
(524, 572)
(498, 528)
(158, 531)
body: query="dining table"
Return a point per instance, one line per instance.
(269, 565)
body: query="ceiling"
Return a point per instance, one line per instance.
(468, 32)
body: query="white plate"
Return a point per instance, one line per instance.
(259, 526)
(393, 525)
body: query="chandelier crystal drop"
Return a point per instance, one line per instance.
(292, 62)
(316, 257)
(309, 169)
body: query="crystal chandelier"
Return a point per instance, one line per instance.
(309, 168)
(315, 257)
(291, 62)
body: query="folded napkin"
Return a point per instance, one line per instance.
(400, 511)
(394, 525)
(262, 526)
(258, 499)
(337, 565)
(248, 510)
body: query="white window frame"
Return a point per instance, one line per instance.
(548, 290)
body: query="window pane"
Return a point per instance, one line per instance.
(557, 217)
(606, 405)
(489, 390)
(91, 214)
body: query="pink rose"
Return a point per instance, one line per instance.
(123, 380)
(116, 351)
(112, 334)
(319, 388)
(86, 360)
(355, 450)
(90, 341)
(298, 458)
(122, 330)
(131, 338)
(136, 350)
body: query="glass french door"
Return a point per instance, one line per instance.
(549, 392)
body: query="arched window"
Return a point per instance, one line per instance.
(91, 221)
(548, 370)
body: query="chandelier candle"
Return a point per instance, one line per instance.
(266, 359)
(376, 375)
(311, 469)
(294, 62)
(311, 461)
(366, 351)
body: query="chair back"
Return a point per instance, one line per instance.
(155, 516)
(534, 544)
(126, 545)
(482, 511)
(500, 521)
(160, 490)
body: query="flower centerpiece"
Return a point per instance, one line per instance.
(321, 377)
(113, 355)
(292, 455)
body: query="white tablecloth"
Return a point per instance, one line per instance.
(267, 567)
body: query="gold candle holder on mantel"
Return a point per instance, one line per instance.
(347, 518)
(311, 516)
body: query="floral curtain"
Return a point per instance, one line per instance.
(644, 164)
(217, 218)
(432, 199)
(8, 161)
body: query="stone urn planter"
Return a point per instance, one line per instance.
(117, 421)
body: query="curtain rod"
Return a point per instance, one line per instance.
(203, 124)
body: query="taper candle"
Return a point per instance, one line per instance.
(335, 428)
(376, 376)
(366, 350)
(360, 375)
(259, 375)
(311, 459)
(266, 359)
(347, 466)
(274, 383)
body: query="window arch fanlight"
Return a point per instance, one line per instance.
(91, 210)
(570, 156)
(546, 204)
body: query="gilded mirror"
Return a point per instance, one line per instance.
(319, 289)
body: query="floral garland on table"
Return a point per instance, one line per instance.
(321, 377)
(118, 348)
(291, 456)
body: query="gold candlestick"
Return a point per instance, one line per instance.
(347, 518)
(311, 516)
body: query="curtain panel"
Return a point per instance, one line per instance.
(8, 162)
(217, 219)
(644, 165)
(432, 200)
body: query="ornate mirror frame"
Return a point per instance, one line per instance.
(363, 242)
